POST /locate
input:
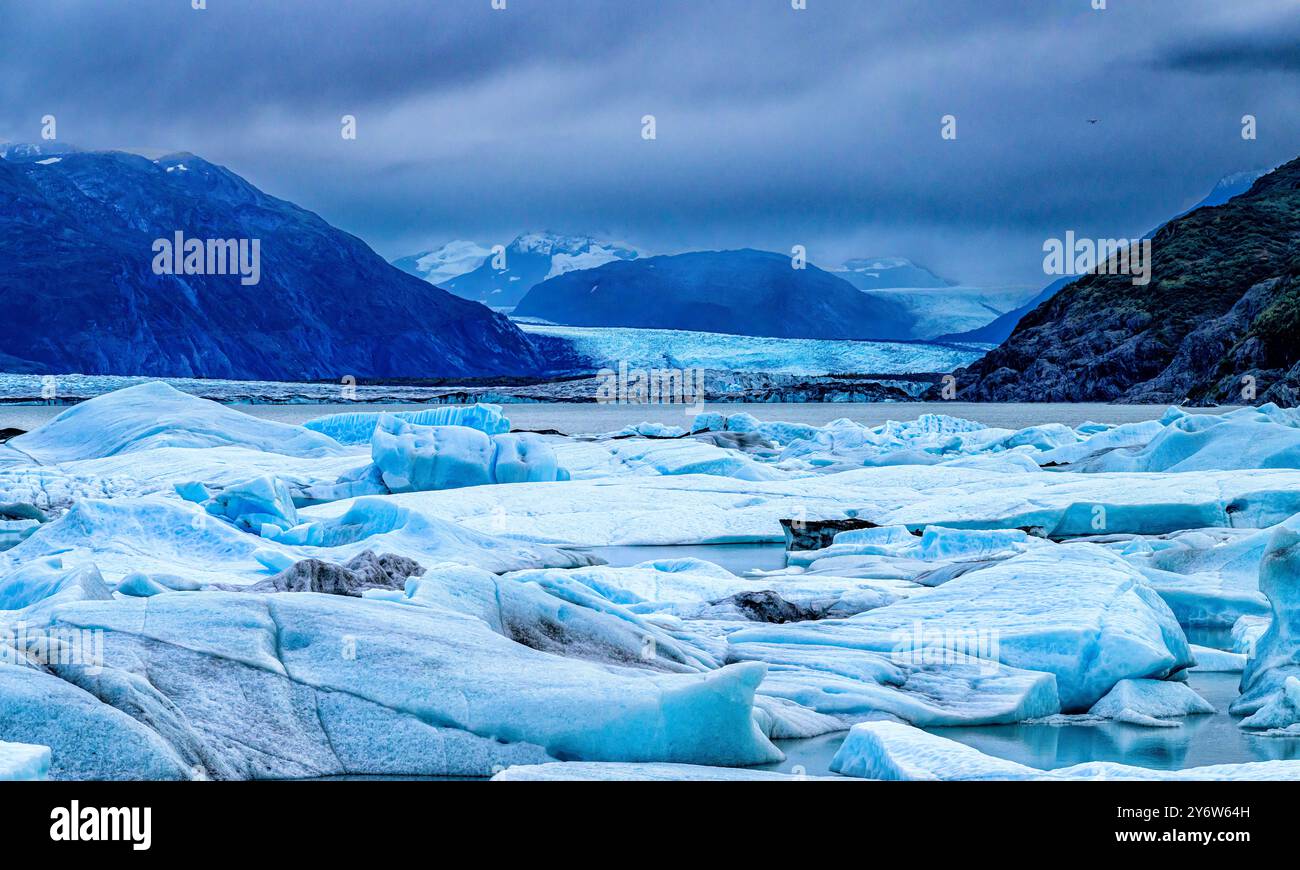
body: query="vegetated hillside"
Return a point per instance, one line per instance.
(1223, 305)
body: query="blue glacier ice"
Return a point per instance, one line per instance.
(431, 457)
(181, 545)
(357, 427)
(892, 751)
(414, 458)
(1010, 575)
(320, 678)
(1264, 437)
(1150, 702)
(154, 415)
(1103, 626)
(47, 581)
(24, 762)
(256, 505)
(524, 458)
(1268, 697)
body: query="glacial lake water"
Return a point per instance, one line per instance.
(589, 418)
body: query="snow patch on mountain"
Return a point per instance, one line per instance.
(528, 261)
(452, 260)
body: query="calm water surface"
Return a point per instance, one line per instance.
(573, 418)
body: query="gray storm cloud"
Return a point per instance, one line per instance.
(776, 126)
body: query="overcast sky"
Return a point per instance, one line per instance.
(775, 126)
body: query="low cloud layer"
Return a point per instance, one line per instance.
(775, 126)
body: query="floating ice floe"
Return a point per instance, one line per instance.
(556, 615)
(160, 470)
(263, 506)
(605, 458)
(413, 458)
(892, 751)
(40, 585)
(1217, 661)
(1209, 577)
(358, 427)
(1150, 702)
(928, 440)
(156, 415)
(1248, 438)
(651, 430)
(23, 762)
(88, 738)
(779, 433)
(1270, 684)
(850, 685)
(151, 437)
(179, 544)
(14, 532)
(1076, 612)
(1246, 632)
(654, 509)
(1264, 437)
(1011, 575)
(299, 685)
(694, 589)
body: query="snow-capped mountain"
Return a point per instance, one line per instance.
(78, 259)
(879, 273)
(440, 265)
(34, 150)
(531, 259)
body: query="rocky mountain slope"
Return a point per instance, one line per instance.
(1220, 316)
(77, 275)
(1000, 329)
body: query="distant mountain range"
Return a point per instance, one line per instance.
(743, 292)
(77, 276)
(879, 273)
(79, 268)
(440, 265)
(934, 304)
(1217, 324)
(733, 292)
(470, 270)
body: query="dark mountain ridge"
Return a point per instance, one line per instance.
(1000, 329)
(1218, 324)
(76, 270)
